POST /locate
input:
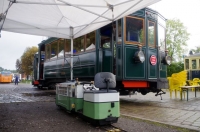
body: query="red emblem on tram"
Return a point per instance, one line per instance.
(153, 60)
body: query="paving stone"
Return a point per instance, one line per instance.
(186, 123)
(196, 124)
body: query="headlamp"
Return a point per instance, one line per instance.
(139, 57)
(167, 60)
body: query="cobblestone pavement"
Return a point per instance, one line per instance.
(172, 111)
(24, 93)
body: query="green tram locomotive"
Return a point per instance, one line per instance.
(132, 48)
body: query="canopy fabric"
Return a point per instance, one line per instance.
(64, 18)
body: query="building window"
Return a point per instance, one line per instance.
(186, 64)
(194, 65)
(199, 63)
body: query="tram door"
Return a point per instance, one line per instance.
(152, 51)
(105, 62)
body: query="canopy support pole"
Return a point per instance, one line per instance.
(71, 58)
(3, 16)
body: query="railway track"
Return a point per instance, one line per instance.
(112, 128)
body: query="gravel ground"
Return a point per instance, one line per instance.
(47, 117)
(42, 115)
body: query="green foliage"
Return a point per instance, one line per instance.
(176, 39)
(175, 68)
(18, 66)
(26, 81)
(27, 60)
(2, 69)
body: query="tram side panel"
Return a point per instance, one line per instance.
(58, 70)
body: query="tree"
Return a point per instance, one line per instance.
(175, 68)
(27, 60)
(18, 66)
(197, 50)
(1, 69)
(176, 39)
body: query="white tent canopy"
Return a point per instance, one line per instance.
(64, 18)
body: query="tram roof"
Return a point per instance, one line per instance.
(64, 18)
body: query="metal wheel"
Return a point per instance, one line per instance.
(39, 87)
(52, 86)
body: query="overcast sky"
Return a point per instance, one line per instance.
(12, 45)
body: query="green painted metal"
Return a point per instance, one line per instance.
(118, 63)
(163, 71)
(98, 63)
(35, 65)
(140, 13)
(67, 102)
(132, 70)
(49, 40)
(84, 66)
(78, 104)
(100, 110)
(152, 69)
(63, 101)
(107, 60)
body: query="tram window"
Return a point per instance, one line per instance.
(186, 64)
(54, 49)
(78, 45)
(151, 34)
(119, 31)
(42, 55)
(105, 42)
(61, 47)
(161, 38)
(90, 41)
(48, 49)
(67, 47)
(194, 65)
(106, 33)
(135, 30)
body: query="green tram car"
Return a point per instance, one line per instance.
(192, 65)
(133, 48)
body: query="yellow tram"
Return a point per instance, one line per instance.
(5, 77)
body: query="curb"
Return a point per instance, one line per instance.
(160, 122)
